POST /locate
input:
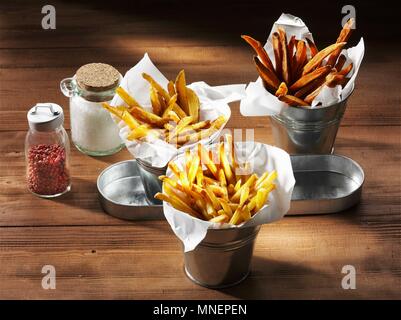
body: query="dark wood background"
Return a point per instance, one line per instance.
(97, 256)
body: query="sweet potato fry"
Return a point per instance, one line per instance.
(291, 46)
(260, 51)
(340, 63)
(277, 54)
(343, 37)
(309, 77)
(270, 80)
(318, 58)
(299, 60)
(346, 70)
(171, 88)
(293, 101)
(312, 47)
(282, 89)
(285, 67)
(304, 91)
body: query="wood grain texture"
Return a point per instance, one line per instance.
(97, 256)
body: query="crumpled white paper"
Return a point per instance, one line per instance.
(214, 102)
(260, 102)
(262, 158)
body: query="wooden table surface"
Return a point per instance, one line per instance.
(97, 256)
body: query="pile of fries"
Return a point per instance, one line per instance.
(299, 76)
(213, 186)
(174, 117)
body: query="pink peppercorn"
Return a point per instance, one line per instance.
(47, 169)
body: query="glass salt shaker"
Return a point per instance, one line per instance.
(93, 131)
(47, 150)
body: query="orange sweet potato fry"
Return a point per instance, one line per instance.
(282, 90)
(284, 58)
(293, 101)
(318, 58)
(277, 53)
(313, 49)
(270, 79)
(260, 51)
(309, 77)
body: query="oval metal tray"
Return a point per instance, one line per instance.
(324, 184)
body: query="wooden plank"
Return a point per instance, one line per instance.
(377, 151)
(293, 258)
(370, 104)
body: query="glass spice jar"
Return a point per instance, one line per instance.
(47, 150)
(93, 131)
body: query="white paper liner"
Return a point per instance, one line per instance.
(262, 158)
(260, 102)
(214, 103)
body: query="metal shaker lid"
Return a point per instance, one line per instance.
(45, 116)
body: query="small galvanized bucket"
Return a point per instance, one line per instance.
(150, 180)
(223, 258)
(308, 131)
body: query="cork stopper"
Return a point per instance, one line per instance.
(97, 77)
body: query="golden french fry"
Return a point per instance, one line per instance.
(148, 117)
(226, 165)
(318, 58)
(270, 80)
(193, 104)
(124, 115)
(177, 203)
(236, 217)
(222, 177)
(246, 213)
(181, 88)
(282, 89)
(249, 183)
(154, 99)
(173, 116)
(157, 86)
(205, 159)
(140, 132)
(170, 106)
(219, 219)
(260, 51)
(171, 88)
(130, 101)
(291, 45)
(309, 77)
(244, 195)
(293, 101)
(193, 169)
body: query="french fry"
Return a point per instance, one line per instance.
(309, 77)
(282, 89)
(148, 117)
(300, 59)
(130, 101)
(278, 53)
(312, 47)
(269, 78)
(193, 104)
(285, 67)
(343, 37)
(260, 51)
(154, 99)
(157, 86)
(346, 70)
(340, 63)
(317, 59)
(180, 86)
(202, 188)
(293, 101)
(171, 88)
(124, 115)
(291, 45)
(301, 93)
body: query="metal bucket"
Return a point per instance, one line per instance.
(308, 131)
(223, 258)
(150, 180)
